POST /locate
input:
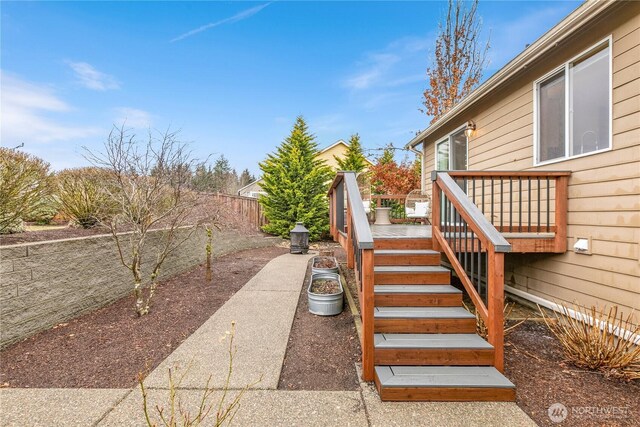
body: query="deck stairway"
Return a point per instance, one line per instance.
(425, 345)
(418, 341)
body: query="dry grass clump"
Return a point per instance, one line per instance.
(590, 339)
(481, 327)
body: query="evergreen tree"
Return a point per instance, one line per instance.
(354, 159)
(387, 156)
(246, 178)
(202, 179)
(295, 183)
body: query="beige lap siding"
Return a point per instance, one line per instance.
(604, 188)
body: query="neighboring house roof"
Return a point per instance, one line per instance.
(345, 144)
(248, 185)
(338, 142)
(324, 150)
(533, 53)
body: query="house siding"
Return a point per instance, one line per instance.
(604, 188)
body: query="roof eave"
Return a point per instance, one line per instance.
(562, 30)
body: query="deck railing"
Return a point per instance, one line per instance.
(475, 250)
(519, 202)
(350, 227)
(396, 202)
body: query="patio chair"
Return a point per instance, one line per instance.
(417, 206)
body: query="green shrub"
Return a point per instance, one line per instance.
(84, 195)
(296, 182)
(25, 186)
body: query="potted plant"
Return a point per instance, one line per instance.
(325, 294)
(324, 264)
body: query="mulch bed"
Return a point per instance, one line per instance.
(200, 214)
(53, 234)
(324, 262)
(322, 350)
(109, 347)
(535, 364)
(325, 286)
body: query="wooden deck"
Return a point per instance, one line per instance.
(401, 231)
(520, 242)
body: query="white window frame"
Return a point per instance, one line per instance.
(448, 138)
(564, 68)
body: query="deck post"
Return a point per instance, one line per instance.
(367, 315)
(435, 212)
(562, 194)
(350, 252)
(332, 214)
(495, 309)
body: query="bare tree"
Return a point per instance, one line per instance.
(149, 185)
(460, 58)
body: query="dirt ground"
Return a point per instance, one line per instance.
(108, 347)
(322, 350)
(535, 364)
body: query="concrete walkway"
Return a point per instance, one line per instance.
(263, 311)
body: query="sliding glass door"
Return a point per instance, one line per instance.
(451, 154)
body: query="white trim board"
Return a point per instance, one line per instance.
(627, 335)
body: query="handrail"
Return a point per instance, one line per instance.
(506, 173)
(521, 202)
(355, 237)
(471, 243)
(358, 215)
(471, 213)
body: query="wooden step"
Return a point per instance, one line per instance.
(411, 275)
(443, 383)
(406, 257)
(402, 243)
(432, 349)
(417, 296)
(435, 320)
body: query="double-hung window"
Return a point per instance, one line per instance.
(572, 107)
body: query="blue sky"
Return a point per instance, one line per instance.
(231, 75)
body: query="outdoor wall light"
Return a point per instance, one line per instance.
(471, 128)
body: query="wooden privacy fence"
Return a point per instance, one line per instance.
(246, 207)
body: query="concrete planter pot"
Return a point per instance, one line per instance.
(320, 270)
(325, 304)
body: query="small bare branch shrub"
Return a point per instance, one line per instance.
(25, 186)
(591, 339)
(84, 195)
(217, 411)
(149, 187)
(481, 327)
